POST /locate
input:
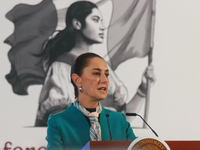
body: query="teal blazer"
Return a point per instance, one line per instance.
(69, 129)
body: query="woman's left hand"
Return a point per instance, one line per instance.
(148, 75)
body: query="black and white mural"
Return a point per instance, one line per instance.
(38, 56)
(141, 40)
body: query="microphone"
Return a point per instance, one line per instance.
(107, 115)
(134, 114)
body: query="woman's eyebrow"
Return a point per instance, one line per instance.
(98, 69)
(97, 17)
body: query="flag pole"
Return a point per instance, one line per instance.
(150, 59)
(146, 111)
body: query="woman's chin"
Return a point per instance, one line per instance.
(101, 98)
(98, 41)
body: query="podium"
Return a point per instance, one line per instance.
(150, 143)
(107, 145)
(124, 145)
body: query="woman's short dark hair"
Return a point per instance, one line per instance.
(79, 10)
(64, 41)
(80, 63)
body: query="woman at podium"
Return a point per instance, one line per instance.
(85, 119)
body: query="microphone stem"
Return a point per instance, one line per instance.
(148, 125)
(135, 114)
(109, 128)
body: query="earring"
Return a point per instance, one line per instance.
(80, 89)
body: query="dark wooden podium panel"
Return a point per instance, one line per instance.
(184, 145)
(123, 145)
(107, 145)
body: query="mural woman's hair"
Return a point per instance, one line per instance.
(80, 63)
(64, 41)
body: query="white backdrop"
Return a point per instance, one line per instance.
(174, 104)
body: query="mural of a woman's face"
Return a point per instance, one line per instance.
(94, 28)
